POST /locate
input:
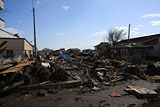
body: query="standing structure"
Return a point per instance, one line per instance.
(11, 44)
(34, 25)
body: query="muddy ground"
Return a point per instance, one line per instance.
(78, 97)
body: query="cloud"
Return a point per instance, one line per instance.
(155, 23)
(136, 28)
(151, 15)
(19, 21)
(101, 33)
(139, 25)
(58, 34)
(14, 31)
(65, 7)
(132, 31)
(38, 2)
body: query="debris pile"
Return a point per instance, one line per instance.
(64, 68)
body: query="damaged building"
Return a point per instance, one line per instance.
(131, 52)
(11, 44)
(138, 49)
(152, 41)
(103, 49)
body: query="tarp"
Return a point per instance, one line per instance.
(16, 57)
(66, 58)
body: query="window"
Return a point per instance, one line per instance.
(9, 52)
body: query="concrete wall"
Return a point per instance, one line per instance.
(4, 34)
(28, 48)
(17, 45)
(1, 4)
(125, 54)
(137, 54)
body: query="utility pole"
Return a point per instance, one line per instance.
(129, 49)
(129, 33)
(34, 26)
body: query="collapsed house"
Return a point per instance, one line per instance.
(45, 51)
(103, 49)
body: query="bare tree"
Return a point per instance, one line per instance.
(114, 36)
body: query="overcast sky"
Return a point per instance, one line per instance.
(80, 23)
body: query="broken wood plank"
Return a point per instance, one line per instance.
(67, 84)
(114, 94)
(141, 92)
(155, 78)
(15, 85)
(16, 68)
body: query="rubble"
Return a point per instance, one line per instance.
(74, 69)
(114, 94)
(153, 69)
(41, 93)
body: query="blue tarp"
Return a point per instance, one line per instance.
(14, 58)
(66, 58)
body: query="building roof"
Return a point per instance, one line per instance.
(2, 20)
(140, 39)
(13, 36)
(102, 43)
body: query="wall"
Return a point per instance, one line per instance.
(138, 54)
(156, 50)
(125, 54)
(28, 48)
(17, 45)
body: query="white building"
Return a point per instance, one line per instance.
(11, 44)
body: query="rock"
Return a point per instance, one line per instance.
(41, 93)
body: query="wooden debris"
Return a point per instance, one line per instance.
(118, 78)
(7, 88)
(141, 92)
(16, 68)
(155, 78)
(114, 94)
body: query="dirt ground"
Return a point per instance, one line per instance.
(77, 98)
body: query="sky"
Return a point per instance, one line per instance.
(80, 23)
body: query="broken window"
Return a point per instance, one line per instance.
(9, 52)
